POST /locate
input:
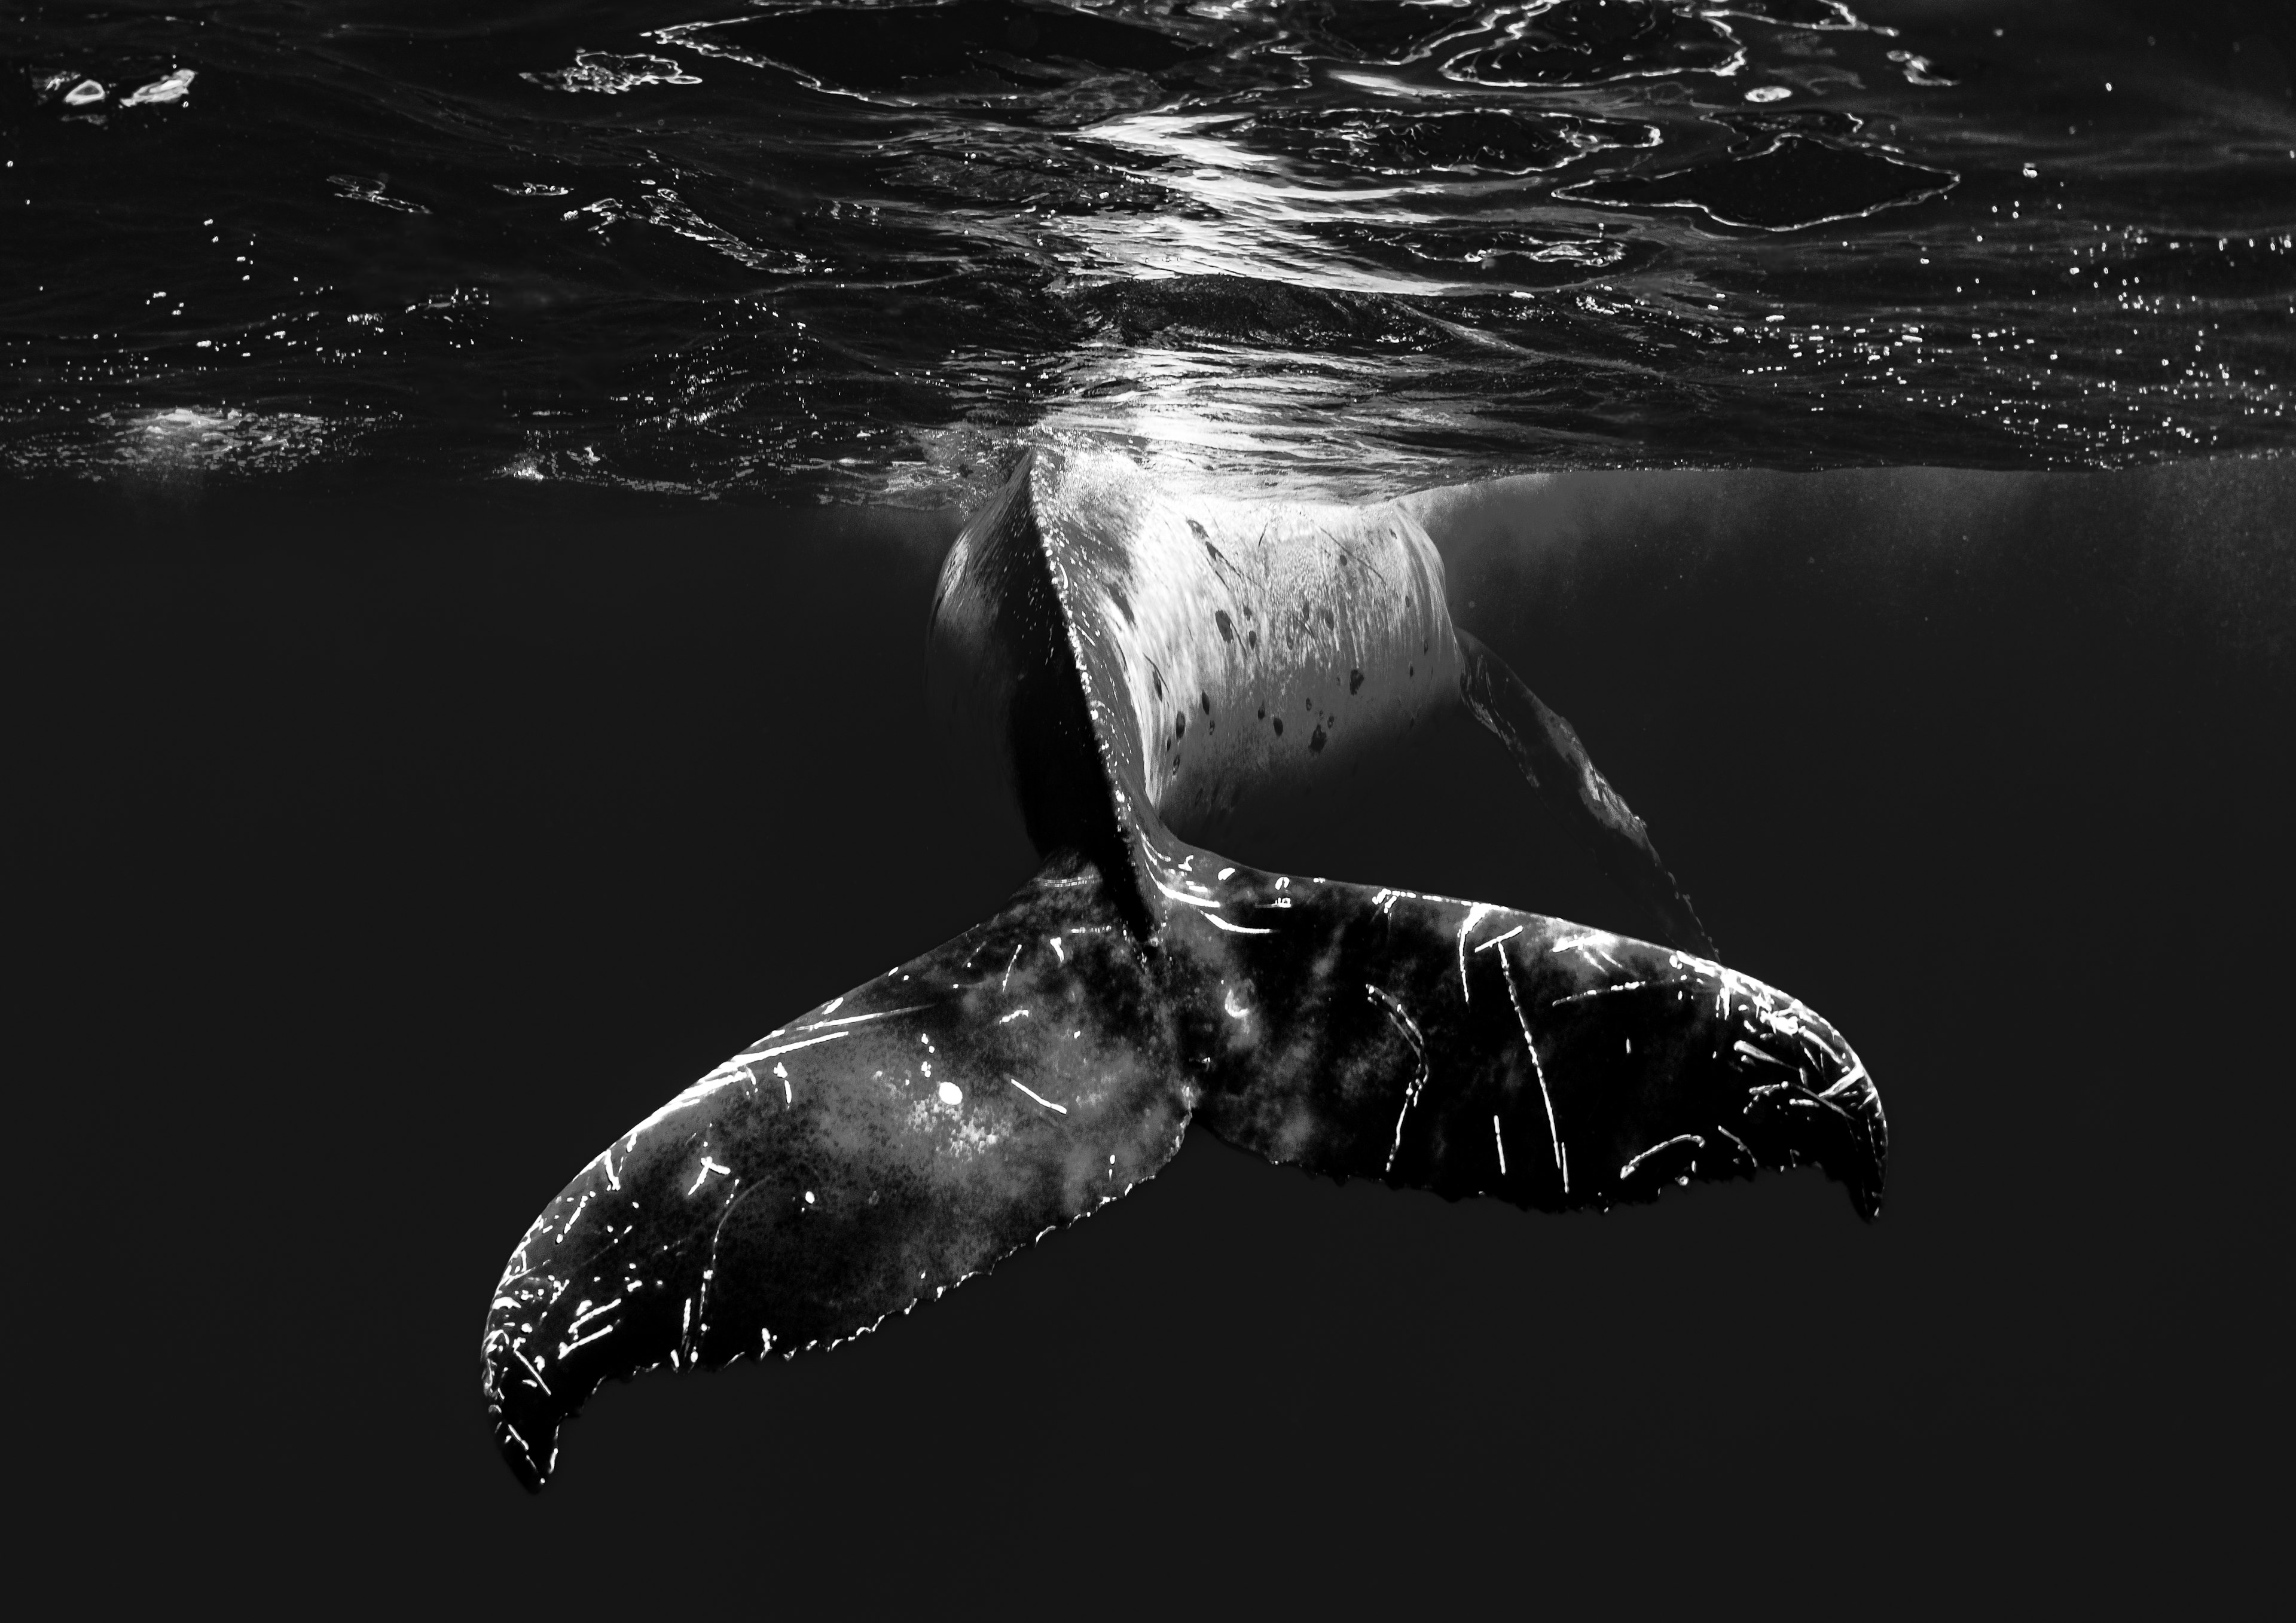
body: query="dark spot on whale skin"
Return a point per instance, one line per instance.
(1207, 698)
(1331, 620)
(1355, 680)
(1263, 712)
(1408, 670)
(1226, 626)
(1157, 676)
(1316, 742)
(1180, 726)
(1279, 727)
(1247, 611)
(1251, 639)
(1200, 533)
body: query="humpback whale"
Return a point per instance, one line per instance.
(1133, 660)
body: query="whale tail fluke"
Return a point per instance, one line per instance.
(899, 1139)
(902, 1137)
(1474, 1050)
(869, 1155)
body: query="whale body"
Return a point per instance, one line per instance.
(1122, 652)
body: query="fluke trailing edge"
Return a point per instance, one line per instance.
(1136, 661)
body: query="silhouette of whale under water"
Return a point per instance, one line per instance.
(1136, 659)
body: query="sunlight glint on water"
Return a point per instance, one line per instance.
(858, 251)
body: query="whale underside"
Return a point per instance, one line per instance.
(1133, 661)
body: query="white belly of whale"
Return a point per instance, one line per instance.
(1265, 643)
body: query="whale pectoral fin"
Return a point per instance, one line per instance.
(875, 1153)
(1472, 1050)
(1548, 750)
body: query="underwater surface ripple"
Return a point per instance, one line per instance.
(851, 251)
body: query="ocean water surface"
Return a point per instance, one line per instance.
(854, 250)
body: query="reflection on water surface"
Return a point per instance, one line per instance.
(854, 250)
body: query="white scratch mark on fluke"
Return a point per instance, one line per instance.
(1475, 916)
(1038, 1097)
(1400, 1017)
(1183, 896)
(1235, 930)
(855, 1020)
(1692, 1139)
(1562, 1164)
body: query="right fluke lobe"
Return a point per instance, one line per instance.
(1475, 1050)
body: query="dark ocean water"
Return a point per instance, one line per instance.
(854, 250)
(474, 478)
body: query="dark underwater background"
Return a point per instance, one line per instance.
(471, 481)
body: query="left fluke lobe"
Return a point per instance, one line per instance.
(881, 1149)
